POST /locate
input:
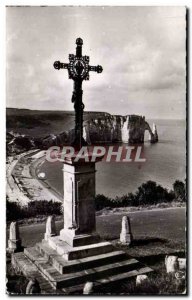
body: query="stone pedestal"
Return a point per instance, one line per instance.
(65, 263)
(79, 207)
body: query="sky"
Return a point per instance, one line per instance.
(141, 49)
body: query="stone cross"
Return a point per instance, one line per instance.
(78, 70)
(126, 235)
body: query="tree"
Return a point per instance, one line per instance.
(151, 193)
(146, 193)
(179, 190)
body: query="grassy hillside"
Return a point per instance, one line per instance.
(40, 123)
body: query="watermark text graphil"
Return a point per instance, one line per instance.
(117, 153)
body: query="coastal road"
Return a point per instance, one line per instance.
(163, 223)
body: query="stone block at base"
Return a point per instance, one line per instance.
(80, 239)
(56, 275)
(68, 252)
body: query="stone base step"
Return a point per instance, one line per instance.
(23, 264)
(58, 275)
(58, 280)
(66, 280)
(107, 281)
(69, 253)
(80, 239)
(63, 266)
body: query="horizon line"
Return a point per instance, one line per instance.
(72, 111)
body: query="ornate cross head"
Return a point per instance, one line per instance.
(78, 66)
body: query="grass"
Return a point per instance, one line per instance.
(150, 224)
(149, 249)
(159, 283)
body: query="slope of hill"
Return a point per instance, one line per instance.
(40, 123)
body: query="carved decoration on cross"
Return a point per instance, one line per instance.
(78, 66)
(78, 70)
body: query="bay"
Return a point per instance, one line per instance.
(165, 163)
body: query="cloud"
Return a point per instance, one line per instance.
(142, 51)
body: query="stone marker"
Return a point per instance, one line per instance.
(182, 263)
(88, 288)
(14, 242)
(50, 227)
(140, 279)
(181, 279)
(171, 263)
(180, 275)
(126, 235)
(33, 287)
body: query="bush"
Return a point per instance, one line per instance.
(16, 212)
(101, 201)
(44, 208)
(149, 193)
(179, 190)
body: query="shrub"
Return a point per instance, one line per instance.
(179, 190)
(149, 193)
(44, 208)
(101, 201)
(16, 212)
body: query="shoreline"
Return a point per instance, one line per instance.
(22, 184)
(34, 168)
(23, 181)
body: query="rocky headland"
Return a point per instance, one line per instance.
(30, 133)
(28, 129)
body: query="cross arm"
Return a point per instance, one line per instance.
(97, 69)
(58, 65)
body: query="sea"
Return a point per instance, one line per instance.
(165, 163)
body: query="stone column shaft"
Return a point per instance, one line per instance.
(79, 197)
